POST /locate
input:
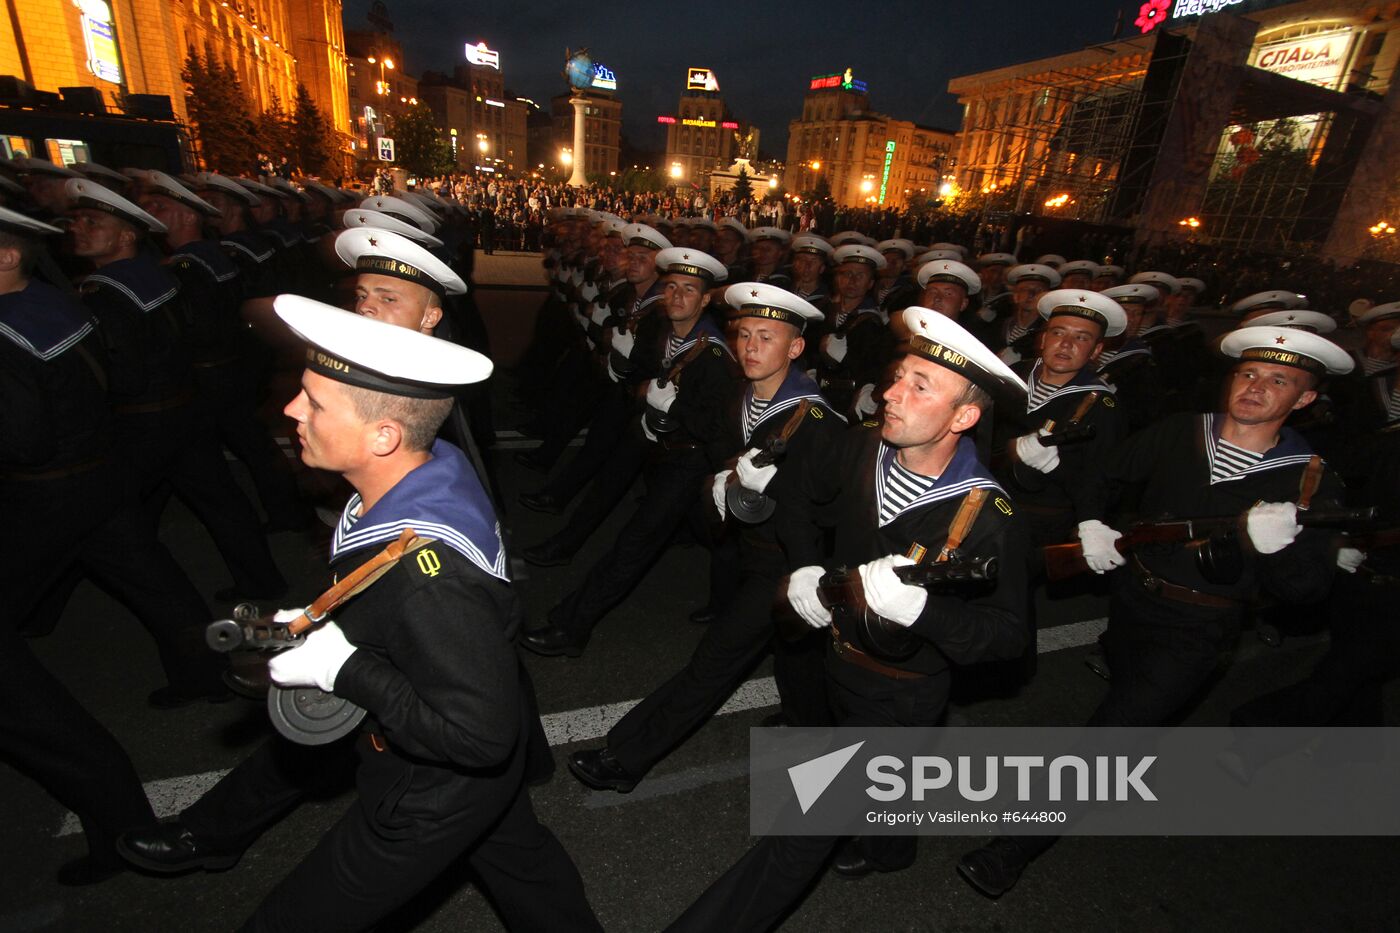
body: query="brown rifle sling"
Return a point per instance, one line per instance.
(358, 580)
(673, 375)
(1079, 413)
(795, 420)
(1307, 487)
(962, 522)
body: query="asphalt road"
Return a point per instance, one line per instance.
(646, 855)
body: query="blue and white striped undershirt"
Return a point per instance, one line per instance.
(902, 487)
(1230, 459)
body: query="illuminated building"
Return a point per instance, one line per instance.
(865, 157)
(484, 123)
(1265, 124)
(602, 129)
(702, 135)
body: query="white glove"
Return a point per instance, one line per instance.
(1009, 356)
(647, 431)
(987, 314)
(313, 663)
(1350, 559)
(623, 341)
(661, 397)
(802, 593)
(834, 346)
(718, 490)
(598, 313)
(1272, 526)
(287, 616)
(890, 596)
(754, 478)
(588, 291)
(1030, 452)
(576, 277)
(1099, 552)
(865, 401)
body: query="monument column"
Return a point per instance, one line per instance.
(579, 178)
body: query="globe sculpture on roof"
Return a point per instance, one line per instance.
(578, 70)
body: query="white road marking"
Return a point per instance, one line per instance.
(171, 795)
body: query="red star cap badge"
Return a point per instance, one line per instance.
(1280, 340)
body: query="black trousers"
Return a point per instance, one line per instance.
(771, 879)
(410, 821)
(730, 647)
(612, 456)
(673, 482)
(577, 394)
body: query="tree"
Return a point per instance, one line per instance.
(418, 142)
(275, 132)
(743, 190)
(314, 144)
(221, 116)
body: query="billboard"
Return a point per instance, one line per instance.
(603, 78)
(844, 81)
(701, 79)
(1316, 59)
(100, 40)
(479, 54)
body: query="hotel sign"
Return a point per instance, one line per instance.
(701, 79)
(479, 54)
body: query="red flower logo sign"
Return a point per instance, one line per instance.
(1151, 14)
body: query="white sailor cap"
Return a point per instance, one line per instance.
(1312, 321)
(957, 247)
(643, 235)
(1051, 259)
(404, 210)
(606, 217)
(213, 181)
(771, 233)
(940, 339)
(287, 189)
(859, 252)
(660, 222)
(898, 244)
(100, 173)
(84, 194)
(1277, 299)
(1196, 285)
(1080, 302)
(364, 217)
(934, 255)
(1380, 313)
(757, 299)
(614, 227)
(682, 221)
(382, 252)
(1164, 283)
(996, 259)
(704, 223)
(421, 199)
(949, 270)
(23, 225)
(332, 195)
(361, 351)
(810, 243)
(261, 190)
(730, 223)
(1033, 270)
(1111, 271)
(139, 174)
(682, 260)
(1139, 294)
(843, 237)
(1286, 347)
(1081, 266)
(28, 165)
(162, 184)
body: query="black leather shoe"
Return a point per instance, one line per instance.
(171, 848)
(552, 642)
(600, 770)
(175, 697)
(531, 460)
(852, 863)
(541, 502)
(85, 871)
(546, 555)
(995, 868)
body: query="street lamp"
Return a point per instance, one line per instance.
(675, 170)
(867, 185)
(566, 158)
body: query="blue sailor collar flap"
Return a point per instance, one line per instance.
(1134, 347)
(249, 244)
(42, 320)
(797, 385)
(963, 474)
(443, 499)
(144, 283)
(1291, 449)
(707, 327)
(209, 255)
(1084, 381)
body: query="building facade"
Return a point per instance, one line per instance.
(702, 136)
(863, 157)
(602, 133)
(471, 107)
(140, 47)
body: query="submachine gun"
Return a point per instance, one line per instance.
(751, 507)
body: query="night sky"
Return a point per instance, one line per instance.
(904, 50)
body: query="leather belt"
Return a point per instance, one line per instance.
(850, 653)
(59, 473)
(1180, 594)
(146, 408)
